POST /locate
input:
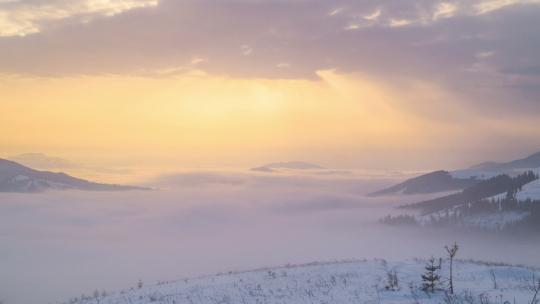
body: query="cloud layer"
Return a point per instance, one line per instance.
(62, 244)
(24, 17)
(474, 46)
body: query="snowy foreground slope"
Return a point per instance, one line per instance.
(336, 283)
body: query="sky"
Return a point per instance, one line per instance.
(392, 84)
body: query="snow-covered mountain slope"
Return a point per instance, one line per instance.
(433, 182)
(337, 283)
(18, 178)
(529, 191)
(492, 221)
(495, 221)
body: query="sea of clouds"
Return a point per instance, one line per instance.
(56, 245)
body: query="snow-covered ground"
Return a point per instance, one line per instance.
(490, 221)
(530, 191)
(340, 282)
(495, 221)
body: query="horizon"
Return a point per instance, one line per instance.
(42, 161)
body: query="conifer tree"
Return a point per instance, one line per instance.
(431, 277)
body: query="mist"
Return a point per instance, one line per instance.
(57, 245)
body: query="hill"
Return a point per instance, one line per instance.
(490, 169)
(338, 283)
(500, 184)
(437, 181)
(293, 165)
(15, 177)
(441, 181)
(498, 203)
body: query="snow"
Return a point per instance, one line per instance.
(497, 220)
(490, 221)
(20, 178)
(427, 219)
(499, 196)
(26, 183)
(529, 191)
(336, 283)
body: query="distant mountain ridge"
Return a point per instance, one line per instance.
(484, 166)
(437, 181)
(489, 169)
(295, 165)
(15, 177)
(531, 161)
(440, 181)
(503, 202)
(484, 189)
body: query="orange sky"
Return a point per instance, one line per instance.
(200, 119)
(369, 84)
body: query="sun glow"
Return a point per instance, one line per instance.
(199, 118)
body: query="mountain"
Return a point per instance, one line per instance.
(484, 166)
(440, 181)
(490, 169)
(503, 202)
(294, 165)
(15, 177)
(484, 189)
(530, 162)
(368, 281)
(437, 181)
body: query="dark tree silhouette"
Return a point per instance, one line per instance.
(452, 251)
(430, 278)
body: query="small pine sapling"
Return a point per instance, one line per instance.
(431, 278)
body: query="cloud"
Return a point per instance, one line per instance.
(445, 10)
(246, 49)
(352, 26)
(399, 22)
(283, 65)
(485, 54)
(21, 18)
(437, 41)
(197, 60)
(373, 16)
(110, 240)
(335, 11)
(489, 6)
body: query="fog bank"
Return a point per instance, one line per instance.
(57, 245)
